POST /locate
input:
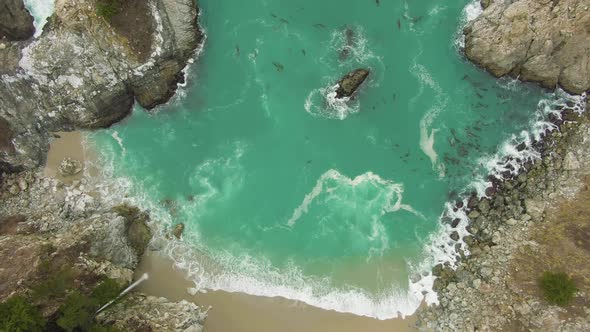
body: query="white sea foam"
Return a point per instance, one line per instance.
(470, 13)
(427, 132)
(508, 158)
(41, 10)
(116, 137)
(332, 179)
(323, 102)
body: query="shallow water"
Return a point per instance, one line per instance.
(287, 192)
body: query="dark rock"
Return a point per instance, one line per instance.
(137, 230)
(484, 205)
(473, 201)
(455, 222)
(6, 134)
(16, 23)
(454, 236)
(351, 82)
(569, 115)
(178, 230)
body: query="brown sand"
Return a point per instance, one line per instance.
(238, 312)
(67, 145)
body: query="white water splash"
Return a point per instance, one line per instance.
(41, 10)
(427, 132)
(332, 179)
(323, 103)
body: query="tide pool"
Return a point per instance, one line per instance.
(285, 191)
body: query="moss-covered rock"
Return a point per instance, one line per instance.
(137, 230)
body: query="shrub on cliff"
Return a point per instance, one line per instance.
(107, 8)
(18, 315)
(77, 313)
(558, 288)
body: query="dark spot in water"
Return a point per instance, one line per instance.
(309, 161)
(278, 66)
(237, 50)
(399, 24)
(319, 26)
(479, 95)
(378, 2)
(303, 52)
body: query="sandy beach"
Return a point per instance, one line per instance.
(68, 145)
(238, 312)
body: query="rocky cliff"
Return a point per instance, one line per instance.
(15, 21)
(58, 239)
(87, 68)
(544, 41)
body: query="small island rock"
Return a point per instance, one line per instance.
(351, 82)
(178, 230)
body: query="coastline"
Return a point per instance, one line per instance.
(240, 312)
(228, 311)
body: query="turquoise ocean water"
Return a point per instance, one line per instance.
(287, 192)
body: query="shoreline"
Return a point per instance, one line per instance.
(241, 312)
(229, 311)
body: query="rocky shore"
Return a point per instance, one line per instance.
(526, 224)
(546, 41)
(50, 230)
(60, 240)
(87, 68)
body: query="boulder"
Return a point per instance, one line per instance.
(16, 23)
(69, 167)
(348, 85)
(519, 38)
(178, 230)
(534, 208)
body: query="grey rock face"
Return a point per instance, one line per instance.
(81, 74)
(139, 312)
(351, 82)
(15, 21)
(541, 41)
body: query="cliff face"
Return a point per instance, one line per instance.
(544, 41)
(15, 21)
(86, 70)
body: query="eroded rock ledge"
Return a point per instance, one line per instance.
(544, 41)
(85, 70)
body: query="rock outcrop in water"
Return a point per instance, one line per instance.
(541, 41)
(85, 70)
(351, 82)
(15, 21)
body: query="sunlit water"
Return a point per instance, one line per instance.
(287, 192)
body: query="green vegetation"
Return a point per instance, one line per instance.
(17, 315)
(107, 8)
(77, 313)
(557, 287)
(55, 285)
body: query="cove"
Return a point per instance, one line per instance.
(286, 192)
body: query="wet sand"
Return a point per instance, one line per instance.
(238, 312)
(67, 145)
